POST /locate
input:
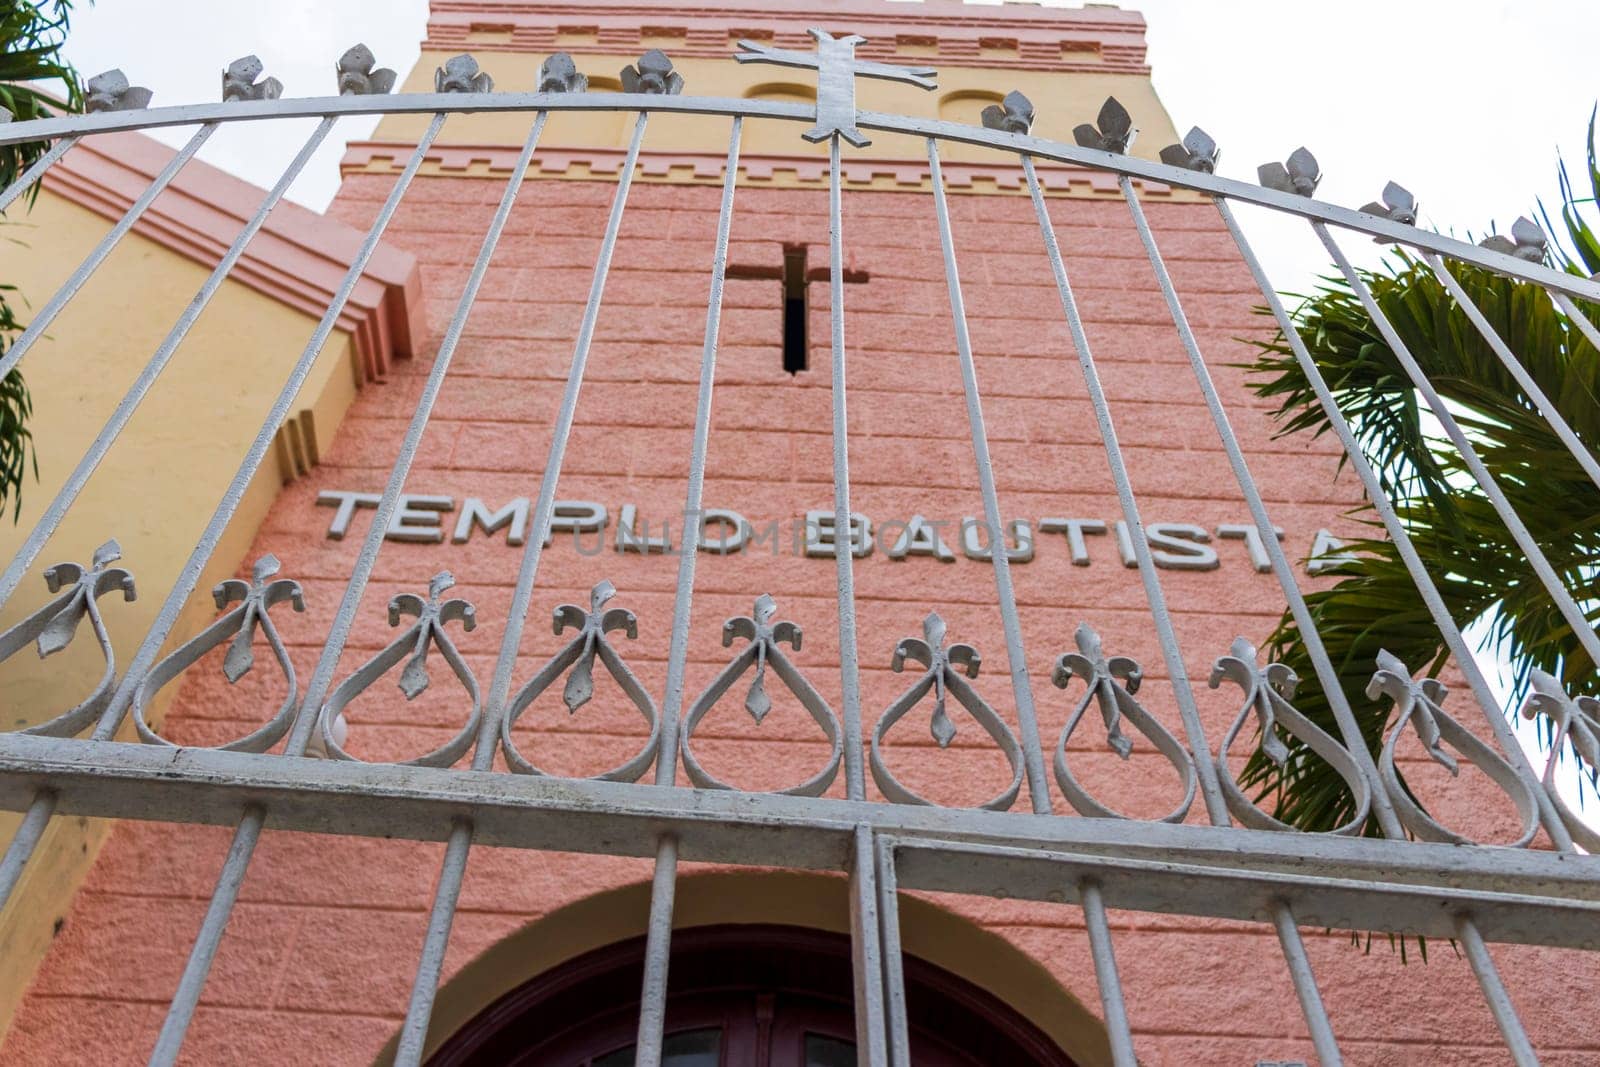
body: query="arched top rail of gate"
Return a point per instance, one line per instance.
(466, 103)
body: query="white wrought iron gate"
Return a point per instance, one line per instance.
(1415, 877)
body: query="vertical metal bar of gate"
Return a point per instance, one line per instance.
(47, 314)
(866, 961)
(1481, 962)
(1494, 992)
(663, 888)
(1462, 655)
(424, 990)
(896, 1028)
(1105, 970)
(1205, 770)
(1183, 693)
(1283, 915)
(1469, 455)
(843, 525)
(1497, 344)
(1578, 318)
(249, 831)
(414, 1032)
(140, 388)
(1305, 985)
(866, 938)
(657, 955)
(33, 825)
(36, 170)
(1327, 674)
(1016, 658)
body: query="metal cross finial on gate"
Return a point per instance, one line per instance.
(837, 68)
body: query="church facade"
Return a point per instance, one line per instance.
(546, 951)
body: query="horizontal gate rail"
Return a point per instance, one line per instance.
(1550, 897)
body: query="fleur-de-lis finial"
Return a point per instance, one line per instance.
(359, 74)
(431, 615)
(1267, 692)
(943, 677)
(759, 629)
(88, 585)
(1260, 685)
(1576, 720)
(412, 645)
(1014, 114)
(576, 660)
(239, 81)
(1299, 175)
(54, 625)
(1569, 714)
(1114, 132)
(257, 595)
(460, 74)
(1417, 700)
(940, 663)
(593, 625)
(1197, 151)
(1398, 205)
(763, 651)
(1527, 241)
(559, 74)
(111, 92)
(1110, 684)
(1101, 675)
(237, 628)
(652, 74)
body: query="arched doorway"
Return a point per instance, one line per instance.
(767, 995)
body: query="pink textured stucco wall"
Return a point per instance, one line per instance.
(318, 961)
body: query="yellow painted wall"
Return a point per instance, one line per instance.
(154, 492)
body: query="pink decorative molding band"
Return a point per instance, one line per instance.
(1090, 40)
(299, 257)
(488, 160)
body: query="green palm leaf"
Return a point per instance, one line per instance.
(1481, 573)
(31, 36)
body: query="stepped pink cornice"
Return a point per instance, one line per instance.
(498, 160)
(947, 32)
(299, 257)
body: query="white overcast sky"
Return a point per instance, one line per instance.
(1467, 103)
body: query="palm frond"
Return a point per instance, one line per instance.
(31, 36)
(1481, 572)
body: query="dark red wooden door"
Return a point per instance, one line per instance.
(739, 996)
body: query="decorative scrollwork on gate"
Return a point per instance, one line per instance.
(942, 678)
(256, 599)
(1418, 703)
(1102, 676)
(426, 633)
(579, 655)
(53, 626)
(1267, 693)
(1576, 719)
(764, 637)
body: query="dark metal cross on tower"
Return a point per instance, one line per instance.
(837, 68)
